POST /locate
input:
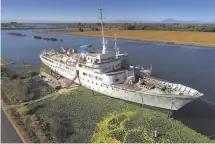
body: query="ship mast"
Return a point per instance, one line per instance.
(115, 44)
(103, 39)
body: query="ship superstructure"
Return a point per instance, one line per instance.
(109, 73)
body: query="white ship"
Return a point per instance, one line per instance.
(108, 72)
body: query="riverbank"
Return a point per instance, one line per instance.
(18, 28)
(202, 39)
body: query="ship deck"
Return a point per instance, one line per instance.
(117, 71)
(171, 88)
(131, 87)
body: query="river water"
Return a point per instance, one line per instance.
(191, 66)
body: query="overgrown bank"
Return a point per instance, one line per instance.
(18, 87)
(81, 116)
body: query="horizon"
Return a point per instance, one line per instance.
(148, 11)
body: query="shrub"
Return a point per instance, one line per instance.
(22, 110)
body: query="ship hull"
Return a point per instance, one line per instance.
(171, 102)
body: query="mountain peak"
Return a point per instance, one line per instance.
(169, 20)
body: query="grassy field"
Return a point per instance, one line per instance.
(206, 39)
(81, 117)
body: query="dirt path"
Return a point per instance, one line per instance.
(43, 98)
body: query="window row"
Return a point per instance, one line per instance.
(63, 70)
(58, 64)
(48, 59)
(92, 76)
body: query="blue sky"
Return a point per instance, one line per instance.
(87, 10)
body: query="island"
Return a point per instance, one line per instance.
(48, 39)
(37, 37)
(16, 34)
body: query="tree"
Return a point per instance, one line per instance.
(81, 29)
(98, 24)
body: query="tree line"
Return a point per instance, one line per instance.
(171, 27)
(149, 26)
(130, 26)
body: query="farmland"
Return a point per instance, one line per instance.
(205, 39)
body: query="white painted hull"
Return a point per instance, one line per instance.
(172, 102)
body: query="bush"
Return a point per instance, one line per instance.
(34, 73)
(81, 29)
(61, 128)
(22, 110)
(3, 62)
(44, 68)
(14, 76)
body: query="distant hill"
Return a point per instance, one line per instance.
(169, 20)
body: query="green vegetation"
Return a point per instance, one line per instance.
(3, 62)
(79, 116)
(22, 110)
(146, 126)
(15, 91)
(149, 26)
(124, 26)
(37, 37)
(171, 27)
(16, 34)
(22, 86)
(82, 117)
(48, 39)
(35, 132)
(44, 68)
(45, 90)
(23, 65)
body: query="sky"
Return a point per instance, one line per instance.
(87, 10)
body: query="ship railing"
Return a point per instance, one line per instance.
(174, 86)
(164, 82)
(178, 87)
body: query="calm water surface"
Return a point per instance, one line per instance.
(191, 66)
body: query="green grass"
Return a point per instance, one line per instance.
(82, 117)
(44, 68)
